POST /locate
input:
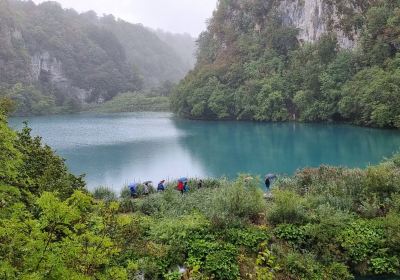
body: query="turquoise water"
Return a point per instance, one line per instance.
(113, 149)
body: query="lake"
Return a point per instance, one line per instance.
(114, 149)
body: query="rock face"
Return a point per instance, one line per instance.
(314, 18)
(45, 68)
(43, 63)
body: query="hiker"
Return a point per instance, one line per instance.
(185, 187)
(146, 187)
(200, 184)
(267, 183)
(132, 188)
(161, 187)
(180, 186)
(268, 180)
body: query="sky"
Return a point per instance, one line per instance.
(177, 16)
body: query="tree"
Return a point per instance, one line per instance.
(42, 170)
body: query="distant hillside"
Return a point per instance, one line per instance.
(183, 44)
(307, 60)
(52, 57)
(158, 60)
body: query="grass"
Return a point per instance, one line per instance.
(132, 102)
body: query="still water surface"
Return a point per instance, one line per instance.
(113, 149)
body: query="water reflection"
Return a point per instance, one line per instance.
(114, 149)
(232, 147)
(139, 161)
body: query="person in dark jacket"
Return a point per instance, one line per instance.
(267, 183)
(161, 187)
(268, 179)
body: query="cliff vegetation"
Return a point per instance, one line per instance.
(297, 60)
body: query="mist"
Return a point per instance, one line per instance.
(178, 16)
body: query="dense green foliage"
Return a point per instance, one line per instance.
(133, 102)
(323, 223)
(154, 100)
(251, 66)
(55, 60)
(92, 58)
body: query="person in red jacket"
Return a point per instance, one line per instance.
(180, 187)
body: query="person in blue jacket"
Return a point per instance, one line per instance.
(161, 187)
(132, 188)
(185, 186)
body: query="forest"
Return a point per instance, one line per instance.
(55, 60)
(321, 223)
(252, 66)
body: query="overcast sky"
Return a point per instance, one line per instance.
(178, 16)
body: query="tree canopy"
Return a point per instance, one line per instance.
(251, 66)
(54, 59)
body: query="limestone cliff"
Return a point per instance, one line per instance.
(47, 68)
(313, 18)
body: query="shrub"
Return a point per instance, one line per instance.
(395, 201)
(391, 225)
(211, 183)
(385, 265)
(396, 160)
(174, 275)
(266, 265)
(250, 237)
(128, 205)
(303, 266)
(322, 231)
(361, 239)
(371, 207)
(198, 251)
(125, 193)
(104, 193)
(215, 259)
(180, 230)
(222, 263)
(382, 180)
(288, 207)
(151, 205)
(290, 233)
(240, 202)
(337, 271)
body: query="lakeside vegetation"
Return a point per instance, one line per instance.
(132, 102)
(251, 66)
(156, 99)
(322, 223)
